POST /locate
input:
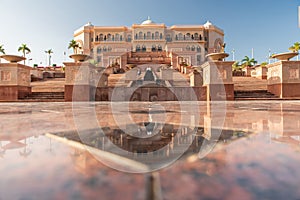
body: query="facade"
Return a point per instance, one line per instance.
(149, 42)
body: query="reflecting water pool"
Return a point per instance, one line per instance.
(87, 150)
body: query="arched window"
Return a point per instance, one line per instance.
(129, 38)
(144, 48)
(188, 48)
(168, 38)
(188, 36)
(159, 48)
(101, 37)
(148, 35)
(152, 37)
(199, 59)
(104, 49)
(180, 36)
(113, 38)
(117, 37)
(153, 48)
(136, 36)
(105, 38)
(200, 37)
(156, 35)
(140, 35)
(196, 37)
(137, 48)
(98, 50)
(176, 37)
(144, 36)
(97, 38)
(161, 36)
(198, 49)
(193, 48)
(121, 38)
(192, 37)
(109, 37)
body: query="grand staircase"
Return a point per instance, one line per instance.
(250, 88)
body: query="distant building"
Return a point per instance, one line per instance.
(149, 42)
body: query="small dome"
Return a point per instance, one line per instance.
(148, 22)
(208, 24)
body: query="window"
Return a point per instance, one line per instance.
(109, 37)
(136, 36)
(129, 38)
(196, 37)
(161, 36)
(188, 36)
(188, 48)
(138, 48)
(159, 48)
(99, 59)
(176, 37)
(113, 38)
(104, 49)
(193, 48)
(98, 50)
(200, 37)
(152, 36)
(117, 37)
(148, 35)
(144, 36)
(168, 38)
(100, 37)
(156, 35)
(198, 59)
(198, 49)
(153, 48)
(180, 36)
(140, 35)
(97, 38)
(121, 38)
(144, 48)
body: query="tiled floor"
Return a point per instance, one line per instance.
(259, 159)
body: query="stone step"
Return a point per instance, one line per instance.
(45, 96)
(254, 95)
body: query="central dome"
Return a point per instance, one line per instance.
(148, 22)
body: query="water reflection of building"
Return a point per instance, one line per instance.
(284, 127)
(149, 42)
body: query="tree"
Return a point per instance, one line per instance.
(247, 62)
(236, 66)
(49, 52)
(2, 50)
(295, 47)
(25, 50)
(74, 45)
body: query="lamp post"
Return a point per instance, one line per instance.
(233, 54)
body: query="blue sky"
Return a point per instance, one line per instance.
(257, 24)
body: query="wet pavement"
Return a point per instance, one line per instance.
(232, 150)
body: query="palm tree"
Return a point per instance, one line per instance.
(49, 52)
(25, 50)
(74, 45)
(1, 51)
(295, 48)
(236, 66)
(247, 62)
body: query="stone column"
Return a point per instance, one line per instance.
(81, 81)
(217, 77)
(14, 81)
(284, 78)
